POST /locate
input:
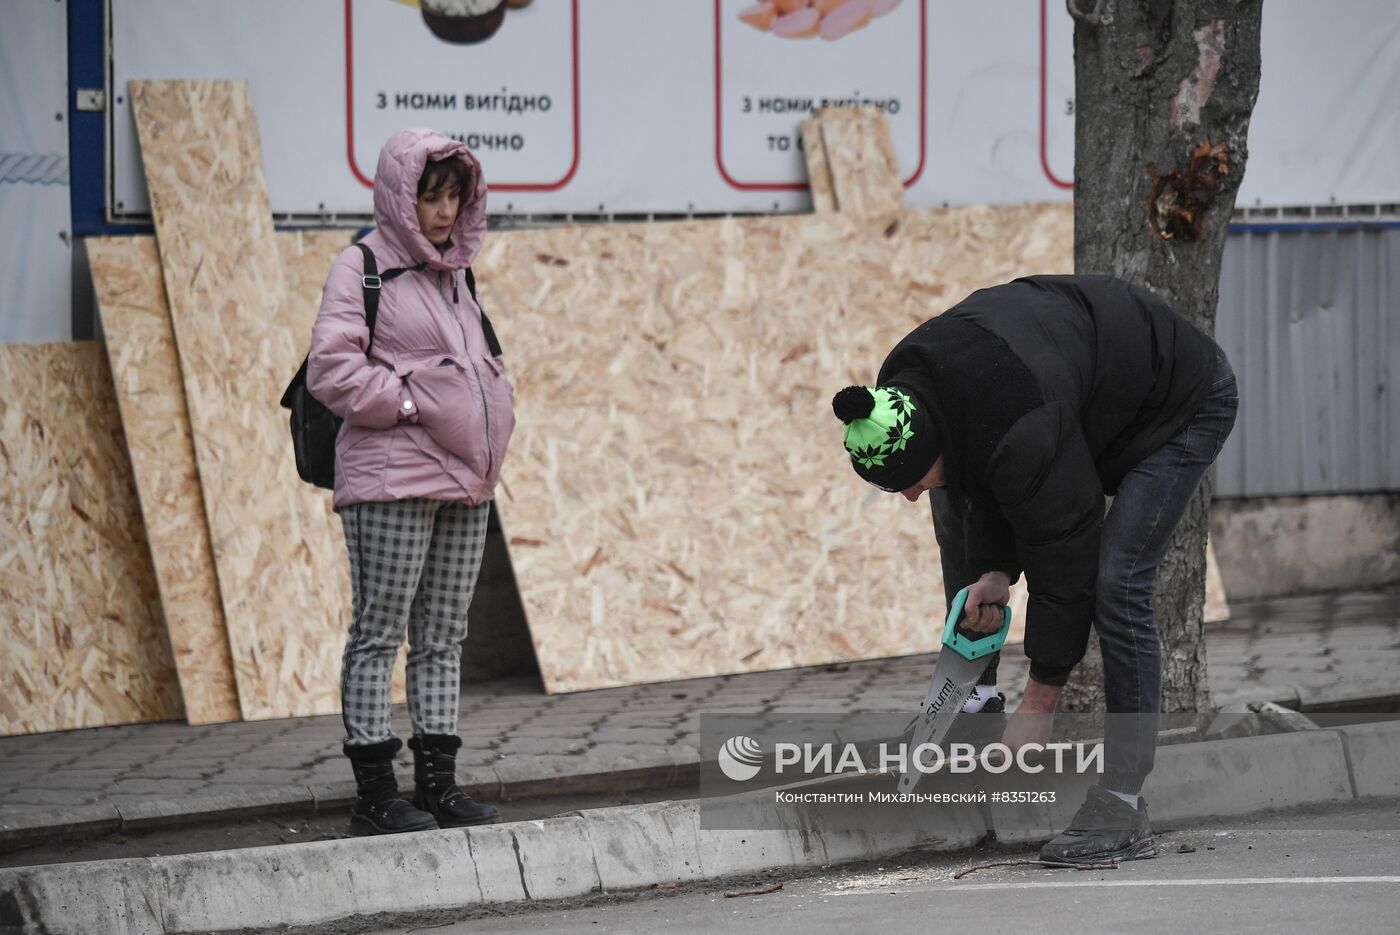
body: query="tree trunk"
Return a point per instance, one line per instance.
(1163, 94)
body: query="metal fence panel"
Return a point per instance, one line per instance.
(1311, 321)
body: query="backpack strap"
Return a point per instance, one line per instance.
(371, 282)
(492, 343)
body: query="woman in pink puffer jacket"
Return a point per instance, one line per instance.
(427, 410)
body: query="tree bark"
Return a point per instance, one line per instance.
(1164, 90)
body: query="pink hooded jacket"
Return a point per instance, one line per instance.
(414, 426)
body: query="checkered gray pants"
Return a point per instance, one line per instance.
(413, 565)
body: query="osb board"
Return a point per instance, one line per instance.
(276, 543)
(818, 172)
(141, 350)
(679, 504)
(860, 158)
(306, 258)
(80, 624)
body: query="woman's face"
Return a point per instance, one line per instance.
(437, 212)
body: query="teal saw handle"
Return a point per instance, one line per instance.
(965, 646)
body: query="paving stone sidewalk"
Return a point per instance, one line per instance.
(1309, 650)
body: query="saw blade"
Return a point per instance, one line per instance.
(953, 680)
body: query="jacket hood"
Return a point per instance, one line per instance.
(401, 164)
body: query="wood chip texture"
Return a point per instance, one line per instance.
(818, 171)
(84, 644)
(284, 585)
(679, 503)
(865, 178)
(146, 370)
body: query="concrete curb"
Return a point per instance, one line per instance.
(1351, 695)
(1373, 754)
(637, 846)
(655, 768)
(59, 823)
(91, 820)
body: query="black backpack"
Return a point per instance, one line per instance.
(314, 427)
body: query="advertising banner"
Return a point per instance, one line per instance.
(512, 93)
(694, 106)
(767, 79)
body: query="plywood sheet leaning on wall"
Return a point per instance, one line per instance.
(146, 371)
(678, 501)
(860, 158)
(80, 619)
(306, 258)
(276, 543)
(818, 171)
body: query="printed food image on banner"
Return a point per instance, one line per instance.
(830, 19)
(499, 75)
(773, 69)
(464, 21)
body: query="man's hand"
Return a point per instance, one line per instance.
(985, 600)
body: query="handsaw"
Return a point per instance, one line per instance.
(960, 665)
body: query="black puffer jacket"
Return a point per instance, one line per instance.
(1047, 391)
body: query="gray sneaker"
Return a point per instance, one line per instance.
(1105, 830)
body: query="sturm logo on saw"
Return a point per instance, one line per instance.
(949, 686)
(741, 758)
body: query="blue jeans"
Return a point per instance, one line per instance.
(1150, 502)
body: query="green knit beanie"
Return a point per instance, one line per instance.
(890, 438)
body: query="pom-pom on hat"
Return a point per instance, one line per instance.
(890, 438)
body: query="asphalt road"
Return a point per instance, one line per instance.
(1334, 870)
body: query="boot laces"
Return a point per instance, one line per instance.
(385, 808)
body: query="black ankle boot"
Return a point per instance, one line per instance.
(435, 783)
(378, 808)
